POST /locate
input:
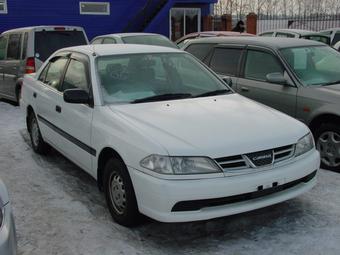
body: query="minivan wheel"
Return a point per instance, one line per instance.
(38, 144)
(327, 138)
(119, 193)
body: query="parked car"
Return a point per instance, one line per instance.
(163, 135)
(8, 241)
(298, 33)
(134, 38)
(23, 51)
(183, 40)
(298, 77)
(334, 34)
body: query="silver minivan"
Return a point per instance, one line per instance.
(23, 50)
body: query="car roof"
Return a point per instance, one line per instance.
(128, 34)
(41, 28)
(120, 49)
(212, 33)
(295, 31)
(271, 42)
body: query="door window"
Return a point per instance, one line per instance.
(259, 64)
(55, 71)
(14, 46)
(3, 45)
(184, 21)
(109, 41)
(97, 41)
(199, 50)
(284, 35)
(75, 76)
(336, 38)
(226, 61)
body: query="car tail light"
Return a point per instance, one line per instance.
(30, 66)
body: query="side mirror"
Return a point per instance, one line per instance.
(277, 78)
(228, 80)
(76, 96)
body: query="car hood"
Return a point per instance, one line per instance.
(212, 126)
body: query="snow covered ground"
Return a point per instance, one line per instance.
(59, 210)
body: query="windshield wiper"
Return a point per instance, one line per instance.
(214, 93)
(169, 96)
(331, 83)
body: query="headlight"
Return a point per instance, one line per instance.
(304, 145)
(180, 165)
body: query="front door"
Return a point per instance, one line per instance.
(253, 82)
(184, 21)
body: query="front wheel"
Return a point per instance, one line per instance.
(327, 139)
(38, 144)
(119, 193)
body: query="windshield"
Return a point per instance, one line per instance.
(157, 40)
(47, 42)
(314, 65)
(157, 76)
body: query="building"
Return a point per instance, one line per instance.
(173, 18)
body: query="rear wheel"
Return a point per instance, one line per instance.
(38, 144)
(119, 193)
(327, 138)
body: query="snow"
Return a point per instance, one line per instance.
(59, 210)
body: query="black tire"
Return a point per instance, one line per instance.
(125, 213)
(321, 133)
(38, 144)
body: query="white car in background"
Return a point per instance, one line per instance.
(135, 38)
(163, 135)
(8, 241)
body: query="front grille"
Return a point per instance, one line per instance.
(195, 205)
(256, 159)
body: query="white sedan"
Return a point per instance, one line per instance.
(163, 135)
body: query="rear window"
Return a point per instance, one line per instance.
(317, 38)
(47, 42)
(199, 50)
(149, 40)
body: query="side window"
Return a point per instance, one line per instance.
(97, 41)
(3, 45)
(200, 51)
(259, 64)
(43, 73)
(14, 46)
(75, 76)
(109, 41)
(24, 47)
(226, 61)
(336, 38)
(270, 34)
(55, 71)
(284, 35)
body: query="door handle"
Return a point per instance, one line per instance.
(35, 95)
(58, 108)
(244, 89)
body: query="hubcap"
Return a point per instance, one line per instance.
(35, 132)
(117, 192)
(328, 145)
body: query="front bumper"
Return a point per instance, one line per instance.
(8, 241)
(157, 198)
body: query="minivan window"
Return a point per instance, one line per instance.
(55, 72)
(47, 42)
(14, 46)
(226, 61)
(259, 64)
(75, 76)
(199, 50)
(3, 45)
(24, 47)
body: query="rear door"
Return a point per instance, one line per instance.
(3, 52)
(253, 82)
(49, 99)
(13, 64)
(76, 119)
(225, 60)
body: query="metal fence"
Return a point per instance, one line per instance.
(314, 23)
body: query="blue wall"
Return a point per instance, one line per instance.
(23, 13)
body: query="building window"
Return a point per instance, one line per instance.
(3, 6)
(94, 8)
